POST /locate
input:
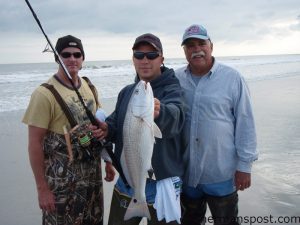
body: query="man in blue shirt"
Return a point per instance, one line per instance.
(221, 132)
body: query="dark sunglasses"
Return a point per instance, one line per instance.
(66, 55)
(149, 55)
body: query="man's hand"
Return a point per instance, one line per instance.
(110, 172)
(46, 199)
(242, 180)
(101, 131)
(156, 107)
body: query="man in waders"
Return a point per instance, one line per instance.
(64, 157)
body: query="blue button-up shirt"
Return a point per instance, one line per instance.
(219, 125)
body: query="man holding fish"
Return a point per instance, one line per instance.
(150, 107)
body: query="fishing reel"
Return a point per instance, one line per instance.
(84, 139)
(91, 147)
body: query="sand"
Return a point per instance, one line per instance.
(276, 105)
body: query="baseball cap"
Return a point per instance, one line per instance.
(150, 39)
(195, 31)
(68, 41)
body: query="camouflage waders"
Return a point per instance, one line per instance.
(77, 186)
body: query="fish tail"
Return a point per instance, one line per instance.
(137, 209)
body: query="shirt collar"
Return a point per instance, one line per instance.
(213, 70)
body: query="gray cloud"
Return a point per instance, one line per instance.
(241, 18)
(227, 21)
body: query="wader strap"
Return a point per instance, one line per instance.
(73, 123)
(94, 90)
(62, 104)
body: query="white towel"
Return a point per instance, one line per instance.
(101, 115)
(167, 199)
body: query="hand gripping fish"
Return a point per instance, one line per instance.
(139, 131)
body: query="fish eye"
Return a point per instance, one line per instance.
(136, 91)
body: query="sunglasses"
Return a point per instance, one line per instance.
(66, 55)
(149, 55)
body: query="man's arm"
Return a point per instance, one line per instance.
(245, 137)
(36, 157)
(169, 111)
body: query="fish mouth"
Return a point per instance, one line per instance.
(144, 83)
(146, 86)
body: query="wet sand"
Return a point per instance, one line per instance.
(277, 108)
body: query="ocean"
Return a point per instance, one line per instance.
(17, 81)
(274, 83)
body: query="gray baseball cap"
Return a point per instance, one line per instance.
(195, 31)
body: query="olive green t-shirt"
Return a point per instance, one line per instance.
(44, 111)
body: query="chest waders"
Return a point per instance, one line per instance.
(88, 148)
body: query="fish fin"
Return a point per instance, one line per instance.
(137, 209)
(151, 174)
(148, 123)
(156, 131)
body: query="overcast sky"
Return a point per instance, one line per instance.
(108, 28)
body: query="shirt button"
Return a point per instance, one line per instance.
(197, 139)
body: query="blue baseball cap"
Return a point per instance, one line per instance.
(195, 31)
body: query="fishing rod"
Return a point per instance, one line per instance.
(88, 112)
(90, 115)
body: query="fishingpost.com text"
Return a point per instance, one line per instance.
(252, 220)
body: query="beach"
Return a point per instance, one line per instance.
(275, 187)
(276, 177)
